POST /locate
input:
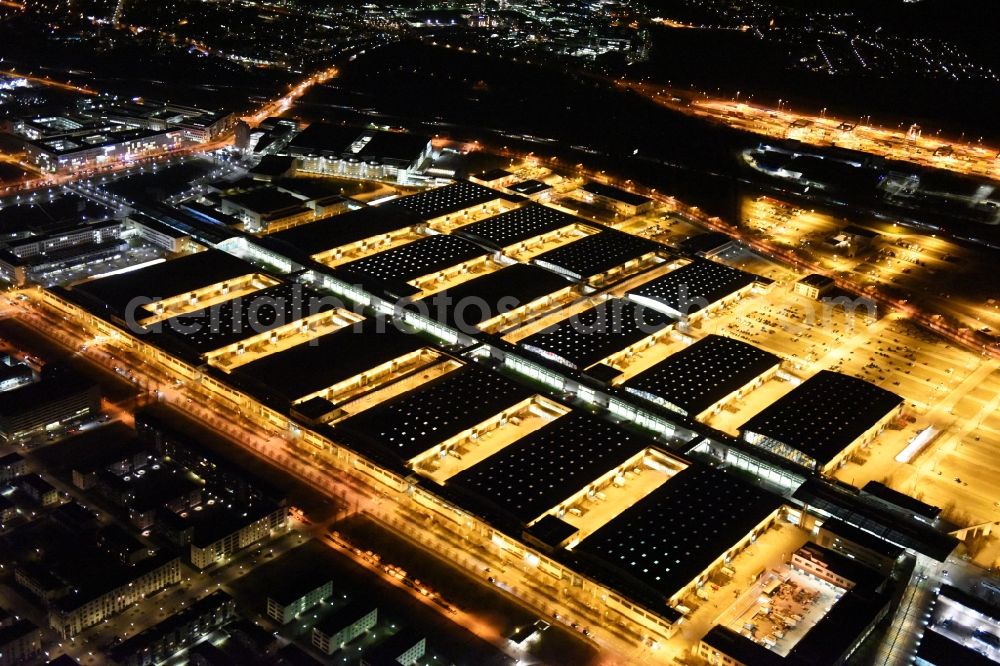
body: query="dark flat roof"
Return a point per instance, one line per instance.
(413, 422)
(475, 301)
(421, 257)
(346, 228)
(529, 187)
(817, 280)
(388, 650)
(517, 225)
(173, 623)
(595, 334)
(864, 539)
(911, 504)
(220, 520)
(694, 286)
(824, 414)
(327, 360)
(300, 583)
(397, 147)
(551, 530)
(741, 648)
(172, 278)
(345, 616)
(970, 601)
(850, 505)
(95, 582)
(834, 634)
(707, 242)
(493, 174)
(445, 200)
(320, 138)
(597, 253)
(698, 376)
(616, 193)
(243, 317)
(670, 536)
(265, 200)
(940, 650)
(542, 469)
(47, 391)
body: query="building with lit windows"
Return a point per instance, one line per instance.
(215, 533)
(343, 626)
(335, 150)
(110, 594)
(61, 398)
(403, 648)
(298, 595)
(164, 639)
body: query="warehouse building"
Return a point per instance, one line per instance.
(824, 420)
(497, 300)
(603, 255)
(466, 402)
(236, 325)
(452, 204)
(430, 257)
(551, 469)
(862, 600)
(522, 228)
(336, 150)
(148, 291)
(704, 377)
(357, 233)
(694, 288)
(335, 366)
(666, 545)
(611, 327)
(266, 209)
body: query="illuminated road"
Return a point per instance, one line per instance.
(354, 489)
(47, 82)
(899, 143)
(272, 108)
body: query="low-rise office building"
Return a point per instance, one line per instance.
(62, 397)
(814, 286)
